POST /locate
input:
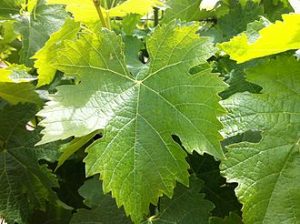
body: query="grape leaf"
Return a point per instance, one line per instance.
(16, 74)
(235, 21)
(15, 87)
(10, 7)
(276, 38)
(273, 9)
(267, 172)
(48, 53)
(37, 27)
(235, 77)
(187, 10)
(7, 36)
(187, 206)
(15, 93)
(24, 185)
(232, 218)
(136, 132)
(216, 190)
(103, 207)
(84, 10)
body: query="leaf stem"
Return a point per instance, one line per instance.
(100, 14)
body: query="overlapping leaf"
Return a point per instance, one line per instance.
(137, 157)
(37, 27)
(278, 37)
(103, 207)
(15, 86)
(48, 53)
(187, 206)
(240, 14)
(267, 172)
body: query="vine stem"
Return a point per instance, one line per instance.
(100, 13)
(156, 16)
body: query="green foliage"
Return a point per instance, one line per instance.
(187, 206)
(133, 106)
(128, 114)
(270, 192)
(103, 207)
(36, 28)
(25, 185)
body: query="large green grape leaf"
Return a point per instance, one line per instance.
(36, 28)
(24, 185)
(276, 38)
(187, 206)
(138, 114)
(103, 207)
(84, 10)
(49, 52)
(267, 172)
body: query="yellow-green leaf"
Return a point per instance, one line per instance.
(16, 74)
(134, 7)
(278, 37)
(84, 10)
(47, 54)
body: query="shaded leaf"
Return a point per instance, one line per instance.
(187, 206)
(103, 207)
(15, 93)
(9, 8)
(232, 218)
(267, 172)
(24, 185)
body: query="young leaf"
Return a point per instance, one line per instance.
(187, 206)
(37, 27)
(267, 172)
(139, 114)
(47, 55)
(84, 10)
(278, 37)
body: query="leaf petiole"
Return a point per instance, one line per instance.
(100, 13)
